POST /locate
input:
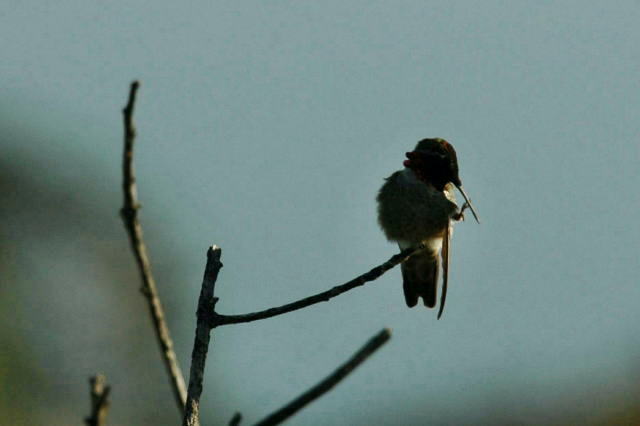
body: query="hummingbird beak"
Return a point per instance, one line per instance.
(468, 200)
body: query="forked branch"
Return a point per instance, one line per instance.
(99, 401)
(325, 296)
(206, 307)
(207, 318)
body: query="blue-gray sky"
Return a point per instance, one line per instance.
(267, 128)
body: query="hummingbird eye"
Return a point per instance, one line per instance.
(413, 161)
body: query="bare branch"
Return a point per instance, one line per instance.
(129, 214)
(99, 401)
(325, 296)
(206, 308)
(329, 382)
(207, 318)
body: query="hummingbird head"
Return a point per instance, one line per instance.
(434, 161)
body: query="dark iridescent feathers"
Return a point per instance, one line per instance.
(436, 161)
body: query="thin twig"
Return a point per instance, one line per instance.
(206, 307)
(99, 401)
(129, 214)
(329, 382)
(325, 296)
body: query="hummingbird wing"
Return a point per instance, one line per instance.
(446, 240)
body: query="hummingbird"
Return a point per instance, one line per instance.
(417, 207)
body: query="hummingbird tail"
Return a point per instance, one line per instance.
(420, 279)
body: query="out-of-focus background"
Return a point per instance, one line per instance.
(267, 128)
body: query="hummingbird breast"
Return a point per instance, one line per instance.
(412, 211)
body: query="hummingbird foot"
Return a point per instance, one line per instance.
(460, 215)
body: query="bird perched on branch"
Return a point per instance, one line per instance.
(417, 206)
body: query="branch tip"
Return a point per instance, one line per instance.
(99, 400)
(214, 253)
(330, 381)
(129, 214)
(133, 90)
(236, 419)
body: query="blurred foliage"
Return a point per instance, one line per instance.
(70, 307)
